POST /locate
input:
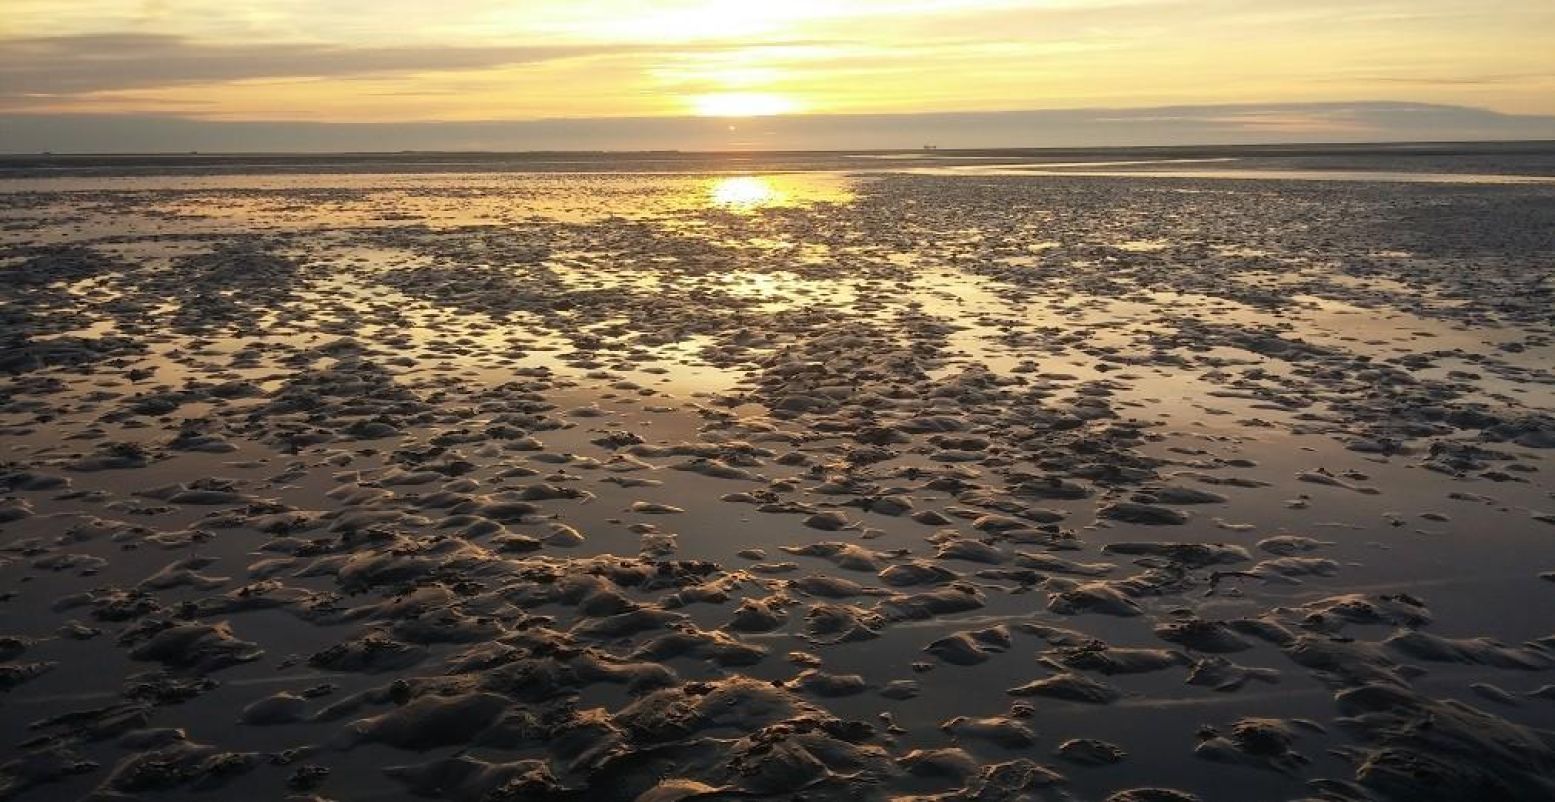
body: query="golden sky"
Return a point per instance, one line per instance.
(398, 60)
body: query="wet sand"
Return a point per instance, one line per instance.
(826, 479)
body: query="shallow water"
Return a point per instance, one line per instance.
(1168, 168)
(325, 406)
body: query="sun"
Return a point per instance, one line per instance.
(741, 104)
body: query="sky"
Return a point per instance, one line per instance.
(383, 70)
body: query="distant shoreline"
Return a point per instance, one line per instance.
(1419, 147)
(1523, 157)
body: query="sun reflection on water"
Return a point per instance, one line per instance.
(744, 193)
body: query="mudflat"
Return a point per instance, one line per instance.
(1145, 477)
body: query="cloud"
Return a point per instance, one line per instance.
(1467, 80)
(75, 65)
(1172, 125)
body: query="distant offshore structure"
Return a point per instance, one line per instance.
(931, 147)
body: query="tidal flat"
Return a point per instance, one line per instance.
(1140, 478)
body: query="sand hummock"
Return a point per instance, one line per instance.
(929, 485)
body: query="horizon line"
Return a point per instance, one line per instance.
(1347, 144)
(1312, 124)
(1373, 102)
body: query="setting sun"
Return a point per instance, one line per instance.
(741, 104)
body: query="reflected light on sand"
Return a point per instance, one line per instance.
(744, 192)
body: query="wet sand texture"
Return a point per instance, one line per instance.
(941, 486)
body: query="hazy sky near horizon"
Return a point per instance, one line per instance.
(462, 60)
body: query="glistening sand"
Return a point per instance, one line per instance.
(779, 477)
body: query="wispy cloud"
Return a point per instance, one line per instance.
(400, 60)
(1463, 80)
(66, 65)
